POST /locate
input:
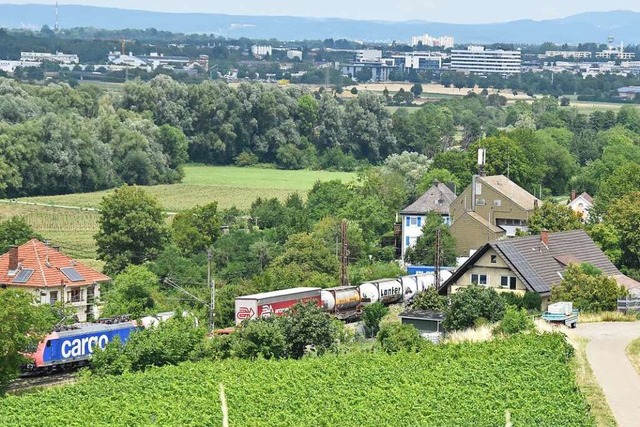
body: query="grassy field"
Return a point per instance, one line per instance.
(229, 186)
(73, 229)
(633, 351)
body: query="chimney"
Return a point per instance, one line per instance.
(573, 195)
(13, 257)
(544, 237)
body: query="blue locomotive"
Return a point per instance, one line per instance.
(74, 346)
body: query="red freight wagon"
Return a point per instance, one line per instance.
(273, 303)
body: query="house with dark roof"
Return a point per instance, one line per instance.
(532, 263)
(51, 276)
(491, 208)
(436, 199)
(581, 204)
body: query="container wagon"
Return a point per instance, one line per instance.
(273, 303)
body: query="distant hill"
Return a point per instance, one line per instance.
(585, 27)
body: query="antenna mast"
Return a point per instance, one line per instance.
(56, 27)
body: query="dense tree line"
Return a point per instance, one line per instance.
(56, 139)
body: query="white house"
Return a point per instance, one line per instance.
(581, 204)
(437, 199)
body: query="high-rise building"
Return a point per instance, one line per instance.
(477, 59)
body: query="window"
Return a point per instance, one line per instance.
(90, 294)
(508, 282)
(480, 202)
(53, 297)
(479, 279)
(74, 295)
(494, 259)
(414, 221)
(497, 203)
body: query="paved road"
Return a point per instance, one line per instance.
(619, 380)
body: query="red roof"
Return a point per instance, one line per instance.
(50, 268)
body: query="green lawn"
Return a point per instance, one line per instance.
(229, 186)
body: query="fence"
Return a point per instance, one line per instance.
(629, 304)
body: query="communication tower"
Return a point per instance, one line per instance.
(56, 26)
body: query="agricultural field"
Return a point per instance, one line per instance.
(62, 223)
(72, 229)
(451, 385)
(229, 186)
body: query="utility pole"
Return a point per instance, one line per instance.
(344, 255)
(438, 258)
(212, 286)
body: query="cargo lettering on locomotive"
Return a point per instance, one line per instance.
(83, 346)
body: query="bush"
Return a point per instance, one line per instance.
(262, 338)
(171, 342)
(472, 303)
(429, 300)
(512, 299)
(514, 321)
(532, 301)
(246, 158)
(372, 315)
(397, 337)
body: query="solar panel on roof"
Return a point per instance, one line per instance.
(72, 274)
(523, 266)
(23, 276)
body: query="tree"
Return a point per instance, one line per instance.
(416, 90)
(131, 228)
(429, 300)
(305, 326)
(22, 325)
(554, 217)
(15, 231)
(470, 304)
(398, 337)
(588, 289)
(624, 219)
(424, 252)
(196, 229)
(260, 338)
(132, 293)
(372, 315)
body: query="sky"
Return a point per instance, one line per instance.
(451, 11)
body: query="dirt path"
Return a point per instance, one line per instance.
(619, 380)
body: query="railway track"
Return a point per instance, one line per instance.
(26, 383)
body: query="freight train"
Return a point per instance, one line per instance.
(344, 302)
(72, 346)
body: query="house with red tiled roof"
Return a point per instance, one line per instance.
(51, 276)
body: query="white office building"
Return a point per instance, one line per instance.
(477, 59)
(59, 57)
(566, 54)
(445, 42)
(293, 54)
(260, 51)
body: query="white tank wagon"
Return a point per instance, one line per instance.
(409, 288)
(343, 302)
(387, 291)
